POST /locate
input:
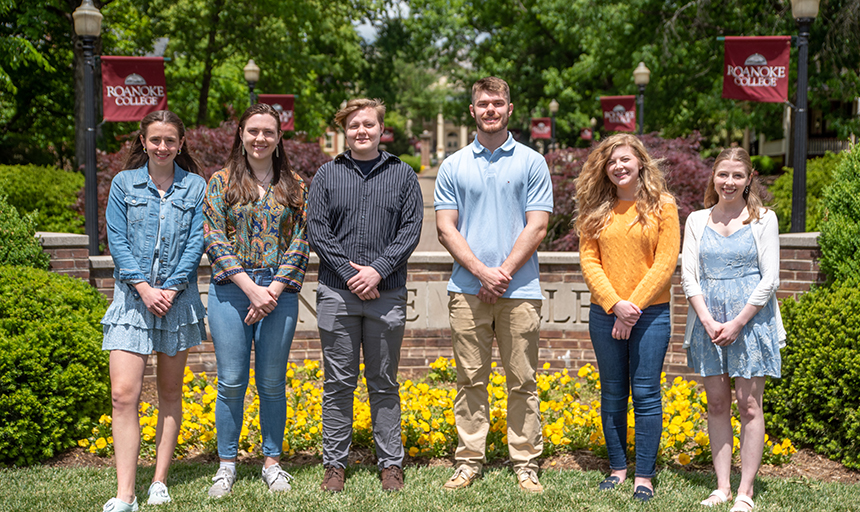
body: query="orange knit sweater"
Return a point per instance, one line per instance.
(631, 261)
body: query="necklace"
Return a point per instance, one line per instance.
(161, 185)
(265, 181)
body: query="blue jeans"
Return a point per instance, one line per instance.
(272, 337)
(634, 364)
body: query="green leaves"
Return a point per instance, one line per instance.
(818, 399)
(53, 374)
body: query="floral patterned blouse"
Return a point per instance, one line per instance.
(260, 234)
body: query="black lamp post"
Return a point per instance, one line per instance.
(804, 12)
(641, 77)
(252, 76)
(88, 25)
(553, 110)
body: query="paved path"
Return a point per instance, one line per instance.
(429, 240)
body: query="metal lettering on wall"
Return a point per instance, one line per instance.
(565, 306)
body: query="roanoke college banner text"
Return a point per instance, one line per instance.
(756, 68)
(132, 87)
(619, 113)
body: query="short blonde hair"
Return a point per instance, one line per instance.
(356, 104)
(491, 84)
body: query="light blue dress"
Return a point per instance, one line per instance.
(729, 272)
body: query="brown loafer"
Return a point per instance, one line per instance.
(333, 479)
(392, 478)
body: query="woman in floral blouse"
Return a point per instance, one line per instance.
(255, 238)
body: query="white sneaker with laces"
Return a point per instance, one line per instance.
(158, 494)
(223, 485)
(276, 478)
(117, 505)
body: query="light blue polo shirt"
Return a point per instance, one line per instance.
(492, 193)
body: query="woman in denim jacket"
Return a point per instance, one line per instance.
(255, 212)
(155, 235)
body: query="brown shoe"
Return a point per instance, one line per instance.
(333, 479)
(392, 478)
(528, 481)
(463, 477)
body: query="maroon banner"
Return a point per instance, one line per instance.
(619, 113)
(756, 68)
(541, 128)
(387, 135)
(132, 87)
(283, 103)
(586, 134)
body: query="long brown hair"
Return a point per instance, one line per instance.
(136, 156)
(596, 195)
(242, 188)
(752, 197)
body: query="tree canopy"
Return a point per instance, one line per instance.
(424, 57)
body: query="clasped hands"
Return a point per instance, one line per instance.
(365, 282)
(263, 299)
(156, 300)
(494, 284)
(722, 334)
(626, 316)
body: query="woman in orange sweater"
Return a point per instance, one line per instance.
(629, 242)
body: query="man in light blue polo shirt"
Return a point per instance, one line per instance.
(493, 199)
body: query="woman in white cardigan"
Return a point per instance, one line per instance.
(734, 330)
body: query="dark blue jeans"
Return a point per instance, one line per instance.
(626, 365)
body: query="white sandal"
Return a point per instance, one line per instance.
(746, 500)
(720, 495)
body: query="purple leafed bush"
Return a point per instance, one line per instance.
(686, 173)
(211, 148)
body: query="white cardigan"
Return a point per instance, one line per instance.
(766, 235)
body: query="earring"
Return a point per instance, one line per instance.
(746, 192)
(276, 151)
(243, 149)
(179, 152)
(144, 149)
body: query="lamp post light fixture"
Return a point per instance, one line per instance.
(553, 110)
(252, 76)
(88, 25)
(804, 12)
(641, 77)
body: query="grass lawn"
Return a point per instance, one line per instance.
(86, 489)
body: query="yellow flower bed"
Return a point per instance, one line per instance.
(570, 408)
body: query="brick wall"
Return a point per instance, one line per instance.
(564, 327)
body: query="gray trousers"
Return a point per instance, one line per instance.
(348, 325)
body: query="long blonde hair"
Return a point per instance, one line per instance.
(752, 196)
(596, 195)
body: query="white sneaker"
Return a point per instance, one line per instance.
(117, 505)
(158, 494)
(276, 478)
(223, 485)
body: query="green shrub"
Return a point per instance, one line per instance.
(819, 174)
(763, 164)
(412, 161)
(18, 244)
(49, 191)
(840, 231)
(817, 401)
(54, 378)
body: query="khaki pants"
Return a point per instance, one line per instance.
(516, 326)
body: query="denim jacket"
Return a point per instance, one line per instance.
(132, 215)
